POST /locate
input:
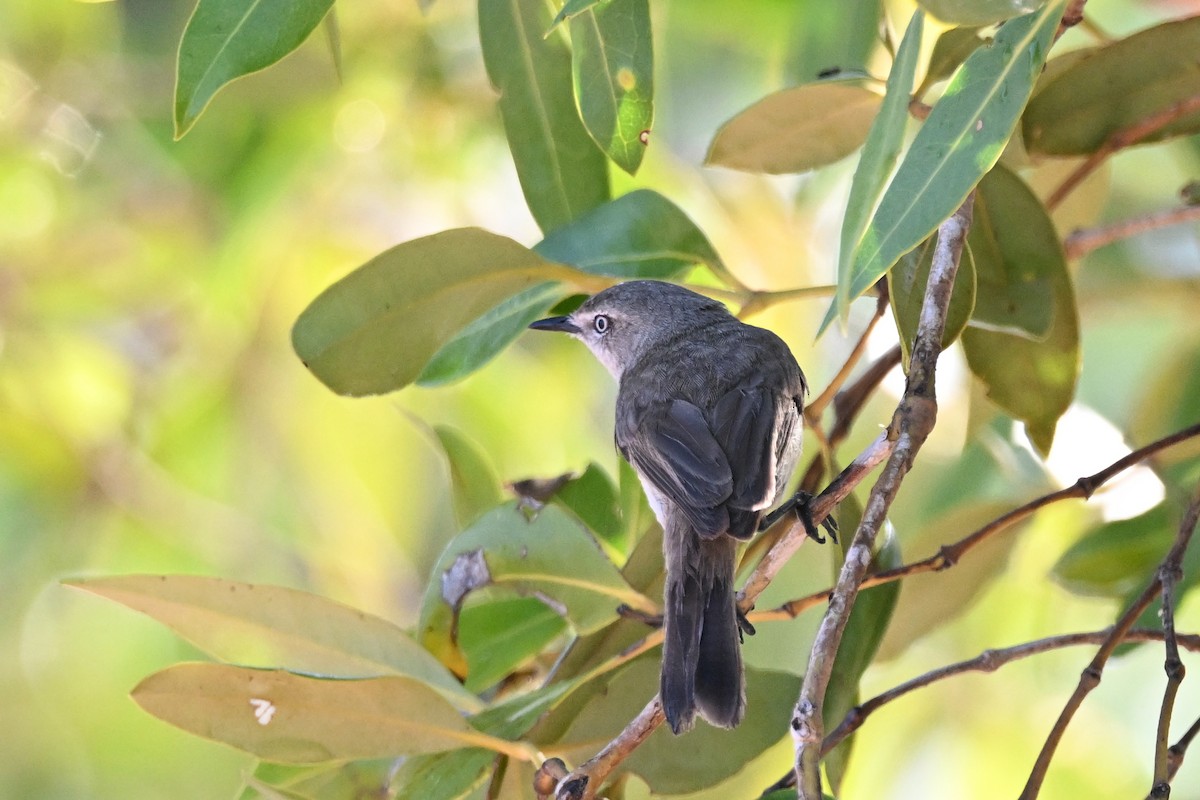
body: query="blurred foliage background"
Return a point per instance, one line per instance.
(153, 417)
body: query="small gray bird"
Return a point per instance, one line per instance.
(709, 415)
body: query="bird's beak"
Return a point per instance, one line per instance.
(561, 324)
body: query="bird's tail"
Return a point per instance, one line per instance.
(702, 659)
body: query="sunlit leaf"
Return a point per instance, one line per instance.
(294, 719)
(272, 626)
(473, 482)
(562, 172)
(613, 69)
(502, 634)
(1114, 87)
(376, 329)
(1032, 379)
(638, 235)
(977, 12)
(906, 294)
(227, 39)
(326, 781)
(797, 129)
(573, 7)
(551, 557)
(960, 141)
(879, 155)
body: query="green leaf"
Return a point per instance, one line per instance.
(906, 294)
(550, 557)
(328, 781)
(562, 172)
(613, 69)
(503, 634)
(828, 35)
(797, 129)
(977, 12)
(949, 52)
(295, 719)
(1110, 88)
(1031, 379)
(454, 775)
(592, 498)
(959, 142)
(571, 8)
(480, 341)
(639, 235)
(878, 157)
(376, 329)
(669, 763)
(473, 482)
(227, 39)
(869, 620)
(271, 626)
(1119, 557)
(1017, 258)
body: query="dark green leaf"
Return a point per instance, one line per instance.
(878, 157)
(797, 129)
(831, 36)
(951, 49)
(562, 172)
(639, 235)
(376, 329)
(977, 12)
(960, 141)
(502, 634)
(482, 339)
(453, 775)
(473, 483)
(573, 7)
(1017, 257)
(613, 68)
(1111, 88)
(906, 294)
(551, 557)
(227, 39)
(295, 719)
(592, 498)
(1031, 379)
(1119, 557)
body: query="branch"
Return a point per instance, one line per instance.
(988, 661)
(1120, 139)
(911, 424)
(583, 782)
(949, 555)
(813, 410)
(1091, 674)
(1082, 242)
(1179, 749)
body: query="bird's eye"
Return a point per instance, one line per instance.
(601, 323)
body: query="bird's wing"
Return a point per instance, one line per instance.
(753, 426)
(670, 444)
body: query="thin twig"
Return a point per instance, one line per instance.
(1091, 674)
(988, 661)
(949, 555)
(1082, 242)
(583, 782)
(1120, 139)
(813, 410)
(911, 424)
(1179, 749)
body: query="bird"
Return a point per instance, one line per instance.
(709, 413)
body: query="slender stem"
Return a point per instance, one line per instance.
(1120, 139)
(1179, 749)
(911, 424)
(1082, 242)
(1091, 674)
(583, 782)
(814, 409)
